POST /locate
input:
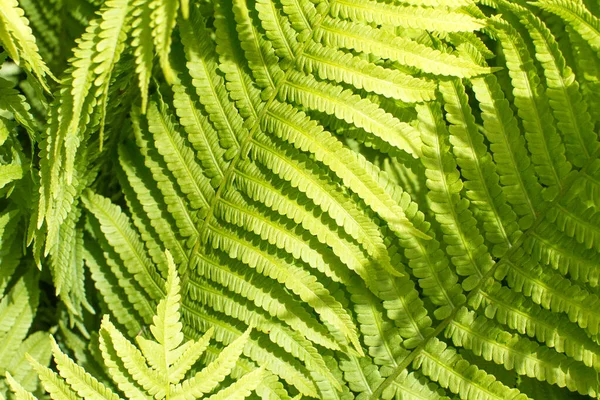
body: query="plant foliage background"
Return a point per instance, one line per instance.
(368, 198)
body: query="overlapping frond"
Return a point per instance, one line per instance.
(156, 368)
(18, 40)
(356, 198)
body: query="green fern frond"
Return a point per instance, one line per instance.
(18, 40)
(578, 16)
(157, 368)
(355, 198)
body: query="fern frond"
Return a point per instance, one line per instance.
(93, 57)
(36, 347)
(563, 91)
(351, 108)
(206, 380)
(445, 365)
(18, 40)
(273, 300)
(164, 16)
(465, 243)
(107, 275)
(552, 291)
(296, 279)
(17, 310)
(519, 183)
(546, 151)
(340, 184)
(521, 314)
(578, 16)
(126, 242)
(202, 65)
(81, 382)
(481, 179)
(408, 52)
(549, 246)
(415, 17)
(141, 32)
(486, 339)
(158, 369)
(20, 392)
(343, 67)
(178, 157)
(240, 389)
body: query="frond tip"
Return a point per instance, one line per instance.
(155, 368)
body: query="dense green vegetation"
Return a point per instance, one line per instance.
(277, 199)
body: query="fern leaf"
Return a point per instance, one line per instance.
(432, 19)
(118, 370)
(405, 51)
(112, 294)
(248, 179)
(296, 279)
(302, 15)
(345, 214)
(17, 311)
(240, 85)
(476, 166)
(575, 14)
(518, 181)
(202, 318)
(154, 381)
(36, 346)
(485, 339)
(141, 32)
(200, 133)
(56, 386)
(361, 376)
(178, 157)
(249, 218)
(521, 314)
(10, 173)
(547, 154)
(126, 242)
(292, 342)
(188, 357)
(20, 392)
(431, 266)
(552, 291)
(351, 108)
(206, 380)
(304, 134)
(184, 218)
(465, 244)
(166, 327)
(259, 53)
(241, 388)
(341, 67)
(202, 65)
(279, 32)
(9, 255)
(18, 105)
(164, 15)
(550, 246)
(563, 91)
(84, 384)
(445, 365)
(417, 386)
(271, 299)
(18, 40)
(97, 53)
(578, 221)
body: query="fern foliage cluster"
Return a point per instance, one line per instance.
(357, 199)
